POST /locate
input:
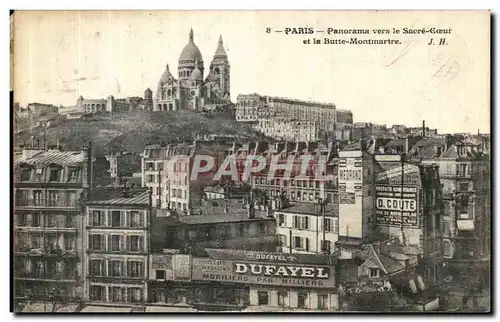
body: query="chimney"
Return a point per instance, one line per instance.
(423, 128)
(406, 145)
(251, 208)
(57, 144)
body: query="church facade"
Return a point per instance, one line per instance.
(190, 90)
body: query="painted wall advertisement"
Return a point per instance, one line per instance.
(391, 204)
(181, 265)
(280, 274)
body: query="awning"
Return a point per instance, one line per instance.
(170, 309)
(106, 309)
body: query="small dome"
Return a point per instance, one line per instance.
(191, 51)
(196, 74)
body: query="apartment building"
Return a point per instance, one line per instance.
(50, 188)
(307, 228)
(464, 170)
(252, 107)
(297, 187)
(281, 128)
(115, 243)
(229, 226)
(178, 191)
(228, 279)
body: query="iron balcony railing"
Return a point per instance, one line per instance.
(51, 203)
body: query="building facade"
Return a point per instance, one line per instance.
(464, 170)
(115, 243)
(253, 107)
(307, 228)
(288, 130)
(50, 188)
(235, 279)
(190, 90)
(179, 191)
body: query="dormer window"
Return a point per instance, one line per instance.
(374, 272)
(25, 175)
(54, 175)
(73, 175)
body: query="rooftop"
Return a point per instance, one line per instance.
(219, 218)
(331, 210)
(56, 157)
(116, 197)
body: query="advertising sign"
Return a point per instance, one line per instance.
(351, 174)
(161, 261)
(263, 273)
(181, 267)
(391, 205)
(347, 198)
(396, 172)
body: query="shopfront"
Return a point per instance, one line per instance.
(242, 279)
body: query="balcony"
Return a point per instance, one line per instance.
(47, 252)
(46, 203)
(48, 276)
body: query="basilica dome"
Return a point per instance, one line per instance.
(191, 52)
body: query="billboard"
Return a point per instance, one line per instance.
(181, 265)
(263, 273)
(391, 204)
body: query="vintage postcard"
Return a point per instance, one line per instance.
(251, 161)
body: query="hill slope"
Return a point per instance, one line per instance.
(133, 131)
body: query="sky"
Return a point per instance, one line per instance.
(60, 55)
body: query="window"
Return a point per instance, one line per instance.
(302, 300)
(50, 220)
(54, 175)
(301, 222)
(69, 223)
(263, 298)
(22, 220)
(134, 295)
(241, 230)
(328, 225)
(326, 246)
(117, 294)
(134, 269)
(115, 268)
(282, 296)
(135, 219)
(323, 301)
(73, 175)
(115, 219)
(35, 220)
(25, 174)
(97, 218)
(134, 243)
(262, 228)
(69, 242)
(374, 272)
(160, 274)
(281, 220)
(114, 243)
(96, 242)
(96, 267)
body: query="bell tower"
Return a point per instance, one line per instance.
(221, 69)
